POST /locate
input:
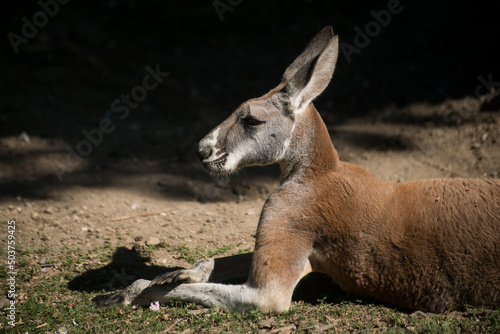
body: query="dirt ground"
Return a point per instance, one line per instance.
(407, 118)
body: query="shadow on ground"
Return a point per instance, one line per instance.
(128, 265)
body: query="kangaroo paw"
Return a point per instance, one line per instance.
(123, 297)
(200, 273)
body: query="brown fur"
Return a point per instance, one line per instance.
(425, 245)
(428, 245)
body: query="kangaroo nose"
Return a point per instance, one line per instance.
(204, 152)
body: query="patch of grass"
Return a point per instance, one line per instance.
(3, 272)
(493, 321)
(193, 255)
(45, 304)
(103, 253)
(43, 250)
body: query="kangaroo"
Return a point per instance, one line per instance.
(430, 245)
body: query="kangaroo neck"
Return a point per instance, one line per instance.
(311, 151)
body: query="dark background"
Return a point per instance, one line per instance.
(64, 80)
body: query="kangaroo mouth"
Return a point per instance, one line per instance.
(217, 165)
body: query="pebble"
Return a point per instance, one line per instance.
(268, 323)
(419, 314)
(48, 210)
(4, 302)
(152, 241)
(25, 137)
(35, 216)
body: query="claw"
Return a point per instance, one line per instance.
(110, 300)
(123, 297)
(167, 278)
(198, 274)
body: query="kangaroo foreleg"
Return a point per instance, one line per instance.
(240, 298)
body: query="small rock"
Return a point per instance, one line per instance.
(494, 174)
(49, 210)
(42, 261)
(419, 314)
(138, 238)
(25, 137)
(304, 324)
(35, 216)
(484, 136)
(84, 229)
(4, 302)
(475, 145)
(268, 323)
(153, 241)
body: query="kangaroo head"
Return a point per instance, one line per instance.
(259, 132)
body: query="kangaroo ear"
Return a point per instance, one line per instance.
(315, 46)
(311, 72)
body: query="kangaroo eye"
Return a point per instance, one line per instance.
(250, 121)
